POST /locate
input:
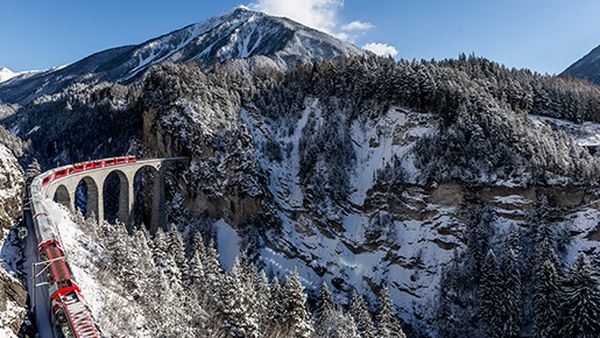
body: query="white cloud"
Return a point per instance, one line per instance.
(357, 26)
(382, 49)
(318, 14)
(322, 15)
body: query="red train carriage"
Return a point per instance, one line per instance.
(72, 317)
(59, 275)
(107, 162)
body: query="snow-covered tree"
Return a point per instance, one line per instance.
(580, 302)
(490, 297)
(360, 313)
(388, 325)
(337, 324)
(511, 304)
(324, 305)
(33, 169)
(237, 313)
(213, 272)
(177, 253)
(276, 308)
(296, 319)
(546, 301)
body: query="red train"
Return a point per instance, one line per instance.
(75, 168)
(70, 313)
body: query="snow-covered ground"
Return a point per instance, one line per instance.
(408, 252)
(585, 134)
(228, 243)
(377, 142)
(82, 253)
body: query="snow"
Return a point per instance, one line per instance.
(228, 243)
(7, 333)
(378, 141)
(583, 223)
(168, 45)
(6, 74)
(82, 254)
(33, 130)
(584, 134)
(10, 315)
(309, 247)
(284, 179)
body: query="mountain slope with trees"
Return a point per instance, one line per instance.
(444, 197)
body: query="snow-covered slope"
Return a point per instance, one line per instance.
(239, 34)
(12, 295)
(6, 74)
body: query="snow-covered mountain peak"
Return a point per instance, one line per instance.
(6, 74)
(240, 33)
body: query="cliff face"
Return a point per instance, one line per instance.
(347, 195)
(13, 297)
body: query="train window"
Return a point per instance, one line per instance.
(46, 179)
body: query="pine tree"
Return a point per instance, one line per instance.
(196, 263)
(388, 326)
(546, 301)
(358, 310)
(262, 291)
(511, 304)
(213, 272)
(276, 307)
(477, 244)
(337, 324)
(490, 291)
(175, 249)
(580, 302)
(33, 169)
(158, 247)
(324, 305)
(296, 319)
(238, 317)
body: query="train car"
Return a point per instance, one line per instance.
(70, 316)
(75, 168)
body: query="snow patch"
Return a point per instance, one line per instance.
(585, 134)
(228, 244)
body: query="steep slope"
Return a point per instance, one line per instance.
(13, 298)
(588, 67)
(360, 172)
(240, 34)
(354, 185)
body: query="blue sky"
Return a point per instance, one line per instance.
(544, 35)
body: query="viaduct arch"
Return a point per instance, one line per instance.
(63, 189)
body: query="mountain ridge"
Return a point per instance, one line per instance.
(237, 34)
(588, 67)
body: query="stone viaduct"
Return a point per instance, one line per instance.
(63, 189)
